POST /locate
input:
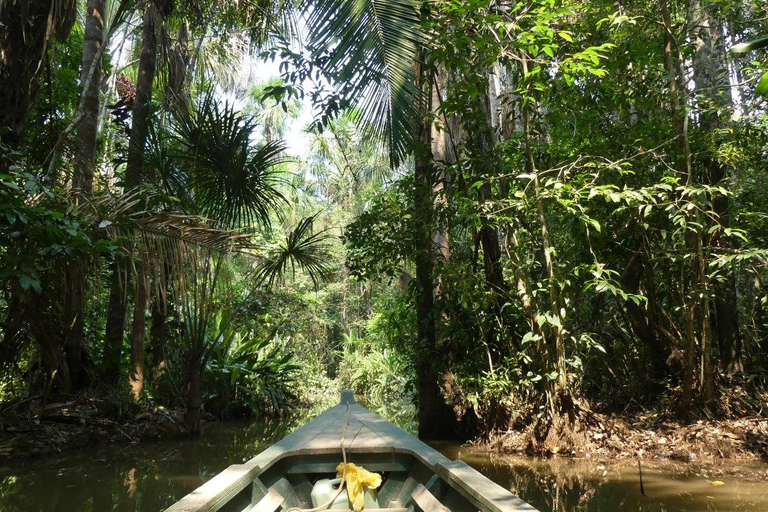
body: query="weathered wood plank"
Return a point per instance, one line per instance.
(474, 486)
(426, 501)
(269, 503)
(213, 494)
(330, 467)
(286, 490)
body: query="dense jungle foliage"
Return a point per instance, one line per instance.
(512, 214)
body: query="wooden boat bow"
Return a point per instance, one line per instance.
(416, 476)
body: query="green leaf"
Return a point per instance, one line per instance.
(750, 45)
(762, 86)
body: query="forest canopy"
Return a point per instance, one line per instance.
(515, 215)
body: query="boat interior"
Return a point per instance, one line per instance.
(407, 484)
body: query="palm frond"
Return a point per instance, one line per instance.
(233, 180)
(368, 47)
(301, 247)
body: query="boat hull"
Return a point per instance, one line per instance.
(415, 476)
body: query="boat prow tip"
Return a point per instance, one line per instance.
(347, 396)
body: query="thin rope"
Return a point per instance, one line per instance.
(326, 505)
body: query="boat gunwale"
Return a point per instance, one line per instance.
(215, 493)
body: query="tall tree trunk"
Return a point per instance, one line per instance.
(157, 336)
(436, 418)
(134, 176)
(138, 330)
(85, 162)
(554, 428)
(698, 336)
(73, 325)
(484, 146)
(85, 147)
(194, 393)
(710, 74)
(27, 31)
(134, 171)
(115, 326)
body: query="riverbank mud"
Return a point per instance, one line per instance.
(712, 446)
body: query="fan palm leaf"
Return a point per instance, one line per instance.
(301, 247)
(233, 180)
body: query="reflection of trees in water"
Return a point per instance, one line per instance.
(562, 486)
(556, 492)
(147, 477)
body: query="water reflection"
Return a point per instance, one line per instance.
(151, 476)
(567, 485)
(145, 477)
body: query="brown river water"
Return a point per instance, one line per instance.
(150, 476)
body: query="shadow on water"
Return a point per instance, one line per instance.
(145, 477)
(567, 485)
(151, 476)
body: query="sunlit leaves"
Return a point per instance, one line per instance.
(762, 86)
(367, 48)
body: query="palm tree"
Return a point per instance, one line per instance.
(272, 115)
(210, 161)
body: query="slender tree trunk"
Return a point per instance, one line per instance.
(134, 176)
(194, 395)
(27, 30)
(436, 419)
(85, 148)
(73, 325)
(710, 74)
(16, 305)
(85, 161)
(134, 171)
(138, 330)
(489, 235)
(697, 366)
(157, 336)
(115, 326)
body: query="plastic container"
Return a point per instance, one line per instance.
(325, 489)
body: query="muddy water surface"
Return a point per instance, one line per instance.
(565, 485)
(150, 476)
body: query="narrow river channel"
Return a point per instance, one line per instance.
(149, 477)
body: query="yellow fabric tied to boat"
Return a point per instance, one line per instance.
(358, 479)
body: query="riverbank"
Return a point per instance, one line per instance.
(706, 446)
(30, 429)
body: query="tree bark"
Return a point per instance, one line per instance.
(28, 28)
(115, 326)
(85, 148)
(194, 394)
(134, 176)
(436, 418)
(134, 171)
(710, 74)
(138, 330)
(82, 183)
